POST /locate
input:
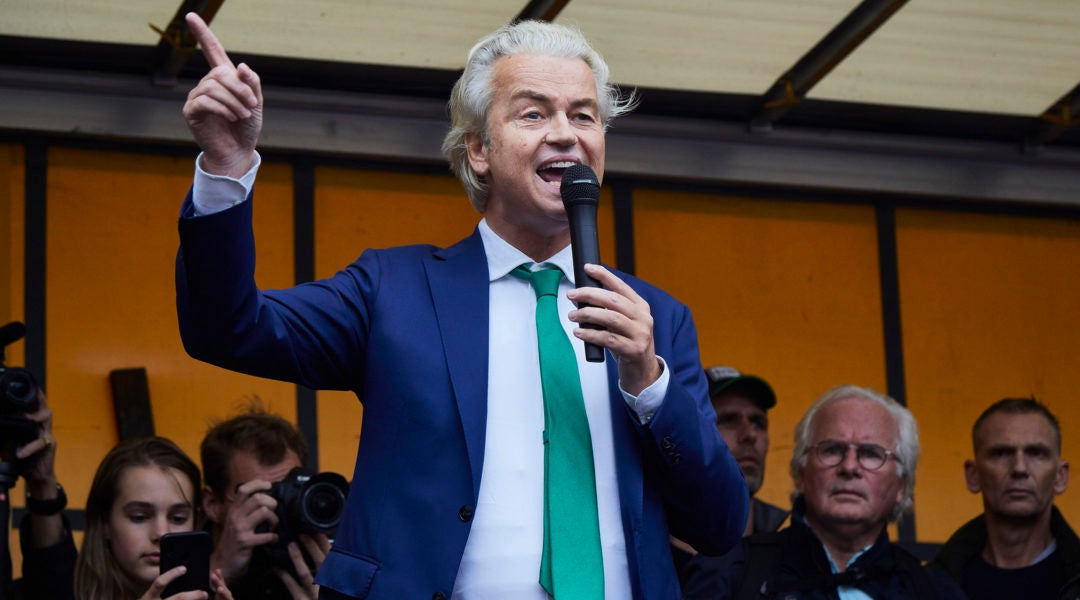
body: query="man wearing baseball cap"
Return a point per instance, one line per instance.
(741, 403)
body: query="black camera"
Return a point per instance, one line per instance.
(18, 393)
(307, 502)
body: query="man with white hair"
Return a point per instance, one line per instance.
(854, 471)
(470, 360)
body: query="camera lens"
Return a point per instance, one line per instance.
(19, 390)
(322, 505)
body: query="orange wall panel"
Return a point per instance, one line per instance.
(12, 240)
(111, 244)
(786, 290)
(989, 310)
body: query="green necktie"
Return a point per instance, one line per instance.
(572, 565)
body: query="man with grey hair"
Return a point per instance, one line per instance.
(450, 349)
(853, 468)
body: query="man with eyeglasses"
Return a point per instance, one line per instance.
(1021, 546)
(854, 471)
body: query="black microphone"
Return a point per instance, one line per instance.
(580, 195)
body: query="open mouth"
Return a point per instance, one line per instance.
(552, 172)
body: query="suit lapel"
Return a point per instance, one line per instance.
(459, 283)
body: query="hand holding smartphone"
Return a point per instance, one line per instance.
(191, 549)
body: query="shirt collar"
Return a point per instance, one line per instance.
(502, 257)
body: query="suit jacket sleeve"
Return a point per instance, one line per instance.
(312, 334)
(704, 493)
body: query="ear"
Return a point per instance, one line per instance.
(213, 506)
(972, 477)
(474, 144)
(1061, 480)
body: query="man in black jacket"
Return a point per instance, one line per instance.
(854, 471)
(741, 403)
(1021, 546)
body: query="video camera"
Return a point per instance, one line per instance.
(307, 502)
(18, 393)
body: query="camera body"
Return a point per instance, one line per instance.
(307, 502)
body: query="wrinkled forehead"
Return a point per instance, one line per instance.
(856, 420)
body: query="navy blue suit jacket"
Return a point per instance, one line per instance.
(406, 329)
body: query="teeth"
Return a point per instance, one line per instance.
(562, 164)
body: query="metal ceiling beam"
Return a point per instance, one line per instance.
(177, 43)
(1046, 128)
(409, 130)
(793, 85)
(541, 10)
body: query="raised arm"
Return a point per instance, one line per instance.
(225, 110)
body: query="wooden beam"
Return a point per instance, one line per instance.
(1054, 121)
(177, 42)
(791, 88)
(542, 10)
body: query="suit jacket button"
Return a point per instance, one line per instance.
(666, 443)
(465, 513)
(438, 596)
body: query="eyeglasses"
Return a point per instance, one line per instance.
(870, 456)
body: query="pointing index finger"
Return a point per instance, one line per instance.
(211, 47)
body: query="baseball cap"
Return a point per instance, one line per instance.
(723, 378)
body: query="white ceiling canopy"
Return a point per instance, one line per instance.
(984, 56)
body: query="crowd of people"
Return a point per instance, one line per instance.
(853, 472)
(495, 460)
(852, 468)
(147, 487)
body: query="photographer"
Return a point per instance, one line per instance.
(242, 458)
(48, 549)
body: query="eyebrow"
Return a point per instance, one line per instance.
(1015, 447)
(139, 504)
(545, 99)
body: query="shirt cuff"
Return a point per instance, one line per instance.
(649, 400)
(215, 193)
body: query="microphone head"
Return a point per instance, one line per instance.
(579, 185)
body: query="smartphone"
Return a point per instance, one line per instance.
(191, 549)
